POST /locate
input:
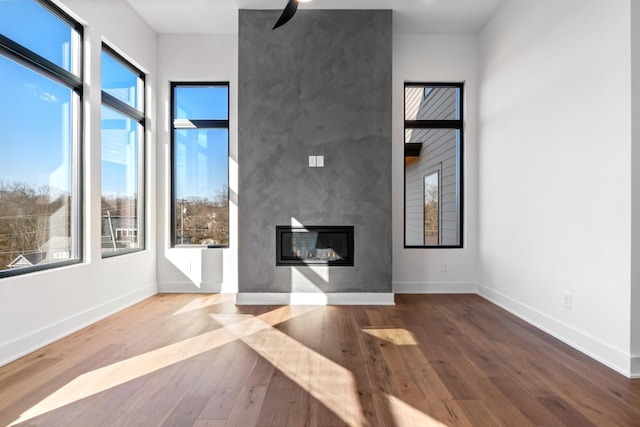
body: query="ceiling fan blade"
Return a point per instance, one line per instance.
(288, 12)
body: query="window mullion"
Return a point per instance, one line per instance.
(433, 124)
(122, 107)
(37, 63)
(200, 124)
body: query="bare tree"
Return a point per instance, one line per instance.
(27, 218)
(201, 220)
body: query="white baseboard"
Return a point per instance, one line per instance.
(29, 343)
(189, 288)
(314, 298)
(435, 288)
(614, 358)
(635, 367)
(602, 352)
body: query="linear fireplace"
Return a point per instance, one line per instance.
(314, 245)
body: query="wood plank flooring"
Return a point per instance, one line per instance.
(431, 360)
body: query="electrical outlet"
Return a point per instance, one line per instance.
(186, 267)
(312, 161)
(566, 300)
(445, 267)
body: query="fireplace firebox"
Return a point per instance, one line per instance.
(312, 245)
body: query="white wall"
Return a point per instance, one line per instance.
(435, 58)
(555, 169)
(196, 58)
(41, 307)
(635, 189)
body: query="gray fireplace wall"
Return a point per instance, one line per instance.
(320, 85)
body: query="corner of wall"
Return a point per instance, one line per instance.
(635, 188)
(635, 367)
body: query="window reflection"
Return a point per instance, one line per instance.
(119, 138)
(122, 148)
(121, 82)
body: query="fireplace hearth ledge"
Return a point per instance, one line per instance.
(315, 298)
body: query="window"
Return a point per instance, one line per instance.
(40, 118)
(200, 164)
(433, 165)
(122, 154)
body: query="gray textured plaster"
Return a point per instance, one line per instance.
(320, 85)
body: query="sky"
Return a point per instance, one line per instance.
(201, 155)
(34, 145)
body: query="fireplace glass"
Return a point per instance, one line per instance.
(312, 245)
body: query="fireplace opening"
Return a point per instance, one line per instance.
(312, 245)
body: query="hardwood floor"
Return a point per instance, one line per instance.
(431, 360)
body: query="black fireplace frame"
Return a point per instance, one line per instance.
(347, 262)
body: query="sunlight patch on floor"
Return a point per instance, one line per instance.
(204, 302)
(396, 336)
(406, 415)
(328, 382)
(325, 380)
(113, 375)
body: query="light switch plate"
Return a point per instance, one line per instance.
(320, 161)
(312, 161)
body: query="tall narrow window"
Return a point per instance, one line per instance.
(122, 149)
(433, 165)
(200, 163)
(40, 111)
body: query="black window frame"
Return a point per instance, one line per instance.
(193, 124)
(140, 117)
(37, 63)
(449, 124)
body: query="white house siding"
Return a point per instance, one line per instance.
(439, 104)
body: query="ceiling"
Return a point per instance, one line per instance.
(410, 16)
